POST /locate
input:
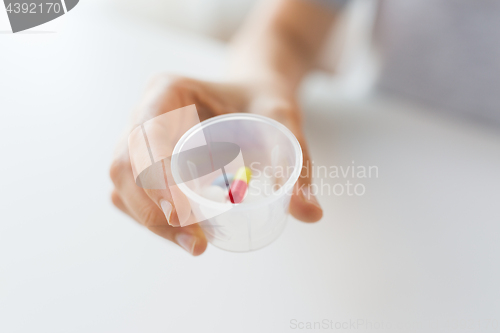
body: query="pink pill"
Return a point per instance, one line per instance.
(237, 191)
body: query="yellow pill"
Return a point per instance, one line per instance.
(244, 174)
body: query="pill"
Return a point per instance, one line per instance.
(221, 181)
(240, 185)
(214, 193)
(244, 174)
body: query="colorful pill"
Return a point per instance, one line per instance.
(221, 182)
(244, 174)
(240, 185)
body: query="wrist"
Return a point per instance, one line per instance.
(266, 72)
(258, 80)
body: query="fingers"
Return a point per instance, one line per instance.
(163, 211)
(304, 205)
(134, 201)
(191, 238)
(118, 202)
(170, 200)
(173, 203)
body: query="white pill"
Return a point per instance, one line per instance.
(214, 193)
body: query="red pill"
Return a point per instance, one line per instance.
(240, 184)
(237, 191)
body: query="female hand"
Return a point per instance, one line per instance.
(155, 209)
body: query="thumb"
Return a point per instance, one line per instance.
(304, 205)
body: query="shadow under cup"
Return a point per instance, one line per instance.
(274, 156)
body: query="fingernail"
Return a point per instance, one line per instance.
(186, 241)
(308, 196)
(167, 209)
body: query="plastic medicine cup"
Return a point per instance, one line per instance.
(273, 154)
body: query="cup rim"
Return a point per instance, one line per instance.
(294, 176)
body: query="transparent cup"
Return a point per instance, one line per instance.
(274, 156)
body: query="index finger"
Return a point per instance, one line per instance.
(151, 146)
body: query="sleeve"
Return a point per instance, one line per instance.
(330, 4)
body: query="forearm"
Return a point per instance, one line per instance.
(279, 43)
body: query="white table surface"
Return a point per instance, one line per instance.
(420, 249)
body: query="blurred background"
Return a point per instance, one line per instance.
(418, 252)
(348, 52)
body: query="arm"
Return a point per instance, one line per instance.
(280, 42)
(271, 54)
